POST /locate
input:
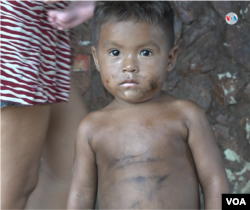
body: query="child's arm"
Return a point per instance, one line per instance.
(207, 157)
(83, 188)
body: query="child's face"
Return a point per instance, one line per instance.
(133, 59)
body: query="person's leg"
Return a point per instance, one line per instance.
(58, 154)
(23, 131)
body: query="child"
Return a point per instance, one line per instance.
(146, 149)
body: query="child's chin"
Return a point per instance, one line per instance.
(133, 101)
(133, 97)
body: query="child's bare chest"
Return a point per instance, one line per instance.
(131, 141)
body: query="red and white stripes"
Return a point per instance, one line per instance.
(35, 57)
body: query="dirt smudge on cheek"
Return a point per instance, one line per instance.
(107, 80)
(153, 85)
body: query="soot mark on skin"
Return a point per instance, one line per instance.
(131, 162)
(137, 179)
(141, 179)
(153, 85)
(162, 179)
(125, 161)
(108, 80)
(130, 156)
(128, 163)
(125, 158)
(112, 163)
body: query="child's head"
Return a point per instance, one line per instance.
(154, 12)
(133, 47)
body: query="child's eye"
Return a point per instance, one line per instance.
(114, 52)
(145, 53)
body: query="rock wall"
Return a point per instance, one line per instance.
(212, 69)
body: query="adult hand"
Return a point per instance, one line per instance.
(73, 15)
(51, 1)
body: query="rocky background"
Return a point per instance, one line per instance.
(213, 69)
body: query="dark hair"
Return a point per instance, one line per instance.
(154, 12)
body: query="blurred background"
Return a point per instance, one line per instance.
(212, 69)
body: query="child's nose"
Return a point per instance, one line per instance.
(130, 66)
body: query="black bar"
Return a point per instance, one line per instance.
(235, 201)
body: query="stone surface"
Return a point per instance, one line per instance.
(222, 136)
(195, 88)
(229, 79)
(246, 93)
(238, 41)
(97, 95)
(82, 79)
(81, 63)
(197, 52)
(223, 8)
(245, 10)
(185, 11)
(177, 29)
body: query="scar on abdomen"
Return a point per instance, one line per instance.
(117, 161)
(161, 179)
(137, 179)
(125, 161)
(128, 163)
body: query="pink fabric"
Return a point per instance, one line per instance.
(35, 57)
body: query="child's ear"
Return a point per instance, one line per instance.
(94, 53)
(172, 56)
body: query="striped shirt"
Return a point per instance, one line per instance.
(35, 57)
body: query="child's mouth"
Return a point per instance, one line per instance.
(129, 83)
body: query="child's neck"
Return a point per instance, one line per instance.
(124, 104)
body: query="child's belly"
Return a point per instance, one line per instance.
(150, 186)
(146, 169)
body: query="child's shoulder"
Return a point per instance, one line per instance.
(92, 124)
(188, 109)
(94, 119)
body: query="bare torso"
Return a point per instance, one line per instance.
(143, 158)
